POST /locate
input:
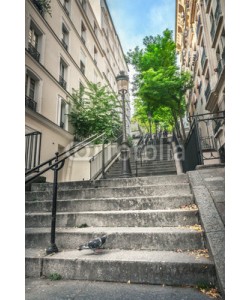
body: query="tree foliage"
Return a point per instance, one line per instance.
(158, 82)
(94, 110)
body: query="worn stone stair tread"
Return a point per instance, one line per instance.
(113, 230)
(118, 212)
(187, 257)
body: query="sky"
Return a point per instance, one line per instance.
(135, 19)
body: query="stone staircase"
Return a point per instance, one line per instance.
(156, 160)
(152, 229)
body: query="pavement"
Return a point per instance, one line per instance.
(208, 187)
(45, 289)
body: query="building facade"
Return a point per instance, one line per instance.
(72, 44)
(200, 43)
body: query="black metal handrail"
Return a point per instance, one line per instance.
(55, 164)
(52, 162)
(101, 153)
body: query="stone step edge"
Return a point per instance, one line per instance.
(118, 230)
(184, 184)
(116, 212)
(135, 266)
(167, 197)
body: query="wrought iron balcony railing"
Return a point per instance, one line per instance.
(33, 51)
(30, 103)
(212, 32)
(218, 12)
(221, 63)
(198, 27)
(62, 82)
(208, 91)
(203, 58)
(38, 6)
(199, 87)
(66, 10)
(65, 45)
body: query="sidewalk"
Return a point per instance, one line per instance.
(207, 183)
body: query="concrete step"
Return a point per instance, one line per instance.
(135, 181)
(151, 267)
(126, 238)
(144, 173)
(96, 290)
(109, 204)
(125, 218)
(113, 192)
(145, 168)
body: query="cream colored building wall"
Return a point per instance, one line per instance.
(48, 91)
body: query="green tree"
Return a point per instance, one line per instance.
(158, 82)
(94, 110)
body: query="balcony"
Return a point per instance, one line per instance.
(218, 20)
(39, 7)
(33, 51)
(199, 30)
(65, 45)
(208, 5)
(66, 9)
(203, 60)
(62, 82)
(208, 91)
(30, 103)
(212, 32)
(199, 87)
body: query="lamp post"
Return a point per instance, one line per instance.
(122, 83)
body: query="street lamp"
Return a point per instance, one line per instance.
(122, 83)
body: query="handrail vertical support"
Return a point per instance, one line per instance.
(103, 159)
(52, 247)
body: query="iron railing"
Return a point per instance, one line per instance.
(200, 144)
(198, 26)
(101, 161)
(30, 103)
(212, 32)
(203, 58)
(62, 82)
(218, 12)
(33, 51)
(208, 91)
(65, 45)
(32, 150)
(55, 164)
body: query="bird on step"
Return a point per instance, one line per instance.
(95, 244)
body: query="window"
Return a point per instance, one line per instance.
(95, 29)
(63, 114)
(83, 32)
(65, 37)
(66, 6)
(83, 4)
(62, 75)
(82, 61)
(95, 55)
(34, 41)
(31, 85)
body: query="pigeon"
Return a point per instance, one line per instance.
(95, 244)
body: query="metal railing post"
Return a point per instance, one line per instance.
(103, 159)
(52, 247)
